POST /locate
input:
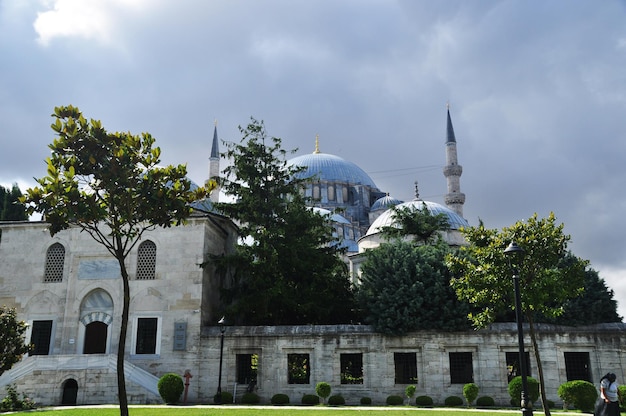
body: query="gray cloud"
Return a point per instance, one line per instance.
(537, 92)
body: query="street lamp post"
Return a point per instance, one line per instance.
(218, 396)
(513, 250)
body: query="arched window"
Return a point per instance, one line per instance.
(146, 261)
(55, 258)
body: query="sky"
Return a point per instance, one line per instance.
(536, 91)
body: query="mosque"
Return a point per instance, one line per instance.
(68, 289)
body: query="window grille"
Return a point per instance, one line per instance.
(461, 368)
(146, 261)
(55, 258)
(351, 368)
(146, 335)
(512, 365)
(247, 366)
(406, 367)
(299, 369)
(40, 337)
(577, 366)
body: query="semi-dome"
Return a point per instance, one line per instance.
(386, 219)
(385, 202)
(331, 168)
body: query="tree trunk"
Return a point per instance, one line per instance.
(121, 345)
(542, 388)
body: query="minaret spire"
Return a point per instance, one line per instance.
(214, 164)
(452, 171)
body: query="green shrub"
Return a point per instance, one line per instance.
(410, 391)
(622, 393)
(394, 400)
(322, 389)
(452, 401)
(13, 402)
(223, 398)
(280, 399)
(250, 398)
(485, 401)
(170, 387)
(582, 394)
(424, 401)
(515, 390)
(366, 401)
(336, 400)
(310, 400)
(470, 392)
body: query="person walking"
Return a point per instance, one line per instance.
(610, 396)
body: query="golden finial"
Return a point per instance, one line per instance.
(215, 122)
(448, 105)
(417, 193)
(317, 144)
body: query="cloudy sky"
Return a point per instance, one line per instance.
(537, 93)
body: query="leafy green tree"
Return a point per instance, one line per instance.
(419, 223)
(11, 209)
(548, 279)
(323, 390)
(110, 186)
(595, 305)
(287, 269)
(406, 287)
(12, 346)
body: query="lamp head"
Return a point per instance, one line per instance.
(513, 249)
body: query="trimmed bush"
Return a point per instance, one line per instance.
(250, 398)
(485, 401)
(470, 392)
(310, 400)
(394, 400)
(279, 399)
(424, 401)
(336, 400)
(323, 390)
(453, 401)
(582, 394)
(366, 401)
(410, 392)
(223, 398)
(170, 387)
(515, 390)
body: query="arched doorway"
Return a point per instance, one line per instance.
(95, 338)
(96, 313)
(70, 392)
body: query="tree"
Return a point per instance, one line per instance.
(547, 280)
(419, 223)
(10, 207)
(110, 186)
(287, 269)
(406, 287)
(595, 305)
(12, 346)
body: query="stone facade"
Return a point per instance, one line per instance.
(74, 320)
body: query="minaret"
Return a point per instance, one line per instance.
(214, 164)
(452, 171)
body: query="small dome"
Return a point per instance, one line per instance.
(331, 168)
(385, 202)
(386, 218)
(334, 217)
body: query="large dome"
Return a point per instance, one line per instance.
(386, 218)
(331, 168)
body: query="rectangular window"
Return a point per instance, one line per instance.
(351, 368)
(247, 368)
(461, 368)
(146, 335)
(406, 367)
(577, 366)
(512, 365)
(298, 369)
(40, 337)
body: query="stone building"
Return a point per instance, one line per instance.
(69, 290)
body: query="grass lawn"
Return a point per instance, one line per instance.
(272, 411)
